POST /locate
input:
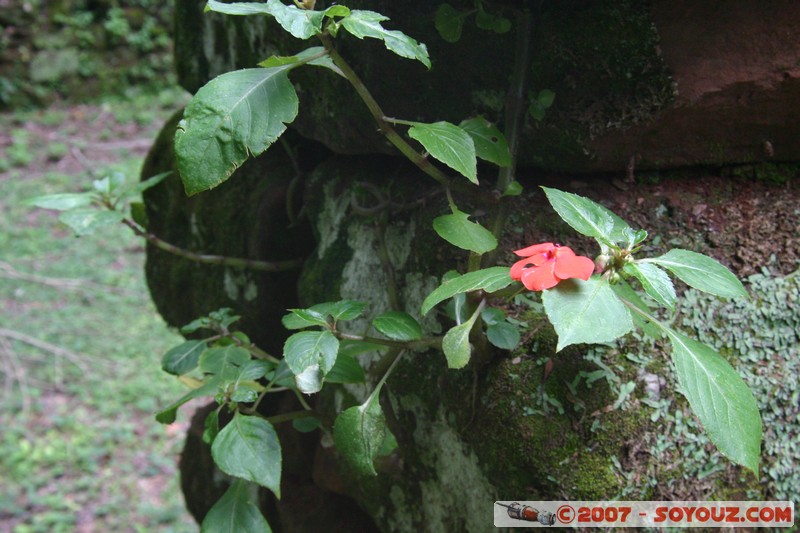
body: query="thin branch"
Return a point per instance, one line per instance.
(46, 346)
(221, 260)
(385, 127)
(9, 272)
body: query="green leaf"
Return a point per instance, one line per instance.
(490, 143)
(87, 221)
(60, 202)
(303, 318)
(224, 361)
(720, 398)
(701, 272)
(514, 189)
(546, 98)
(449, 144)
(449, 22)
(343, 309)
(625, 292)
(300, 23)
(182, 358)
(109, 184)
(310, 355)
(488, 279)
(248, 448)
(363, 23)
(306, 424)
(398, 325)
(139, 214)
(359, 433)
(492, 316)
(211, 427)
(169, 413)
(459, 231)
(503, 335)
(346, 370)
(585, 312)
(236, 511)
(587, 217)
(487, 21)
(234, 116)
(254, 369)
(148, 183)
(655, 282)
(455, 343)
(303, 59)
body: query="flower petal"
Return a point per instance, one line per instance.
(573, 266)
(518, 267)
(536, 249)
(540, 277)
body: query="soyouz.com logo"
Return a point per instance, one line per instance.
(643, 514)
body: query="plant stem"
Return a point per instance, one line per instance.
(377, 113)
(515, 99)
(286, 417)
(236, 262)
(515, 111)
(428, 342)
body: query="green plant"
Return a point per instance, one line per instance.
(242, 113)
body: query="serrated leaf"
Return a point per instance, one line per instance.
(459, 231)
(701, 272)
(503, 335)
(449, 22)
(587, 217)
(455, 343)
(303, 58)
(248, 448)
(254, 369)
(343, 309)
(488, 279)
(86, 221)
(311, 354)
(169, 413)
(236, 511)
(490, 143)
(655, 282)
(303, 318)
(346, 370)
(182, 358)
(449, 144)
(625, 292)
(60, 202)
(363, 23)
(300, 23)
(359, 433)
(398, 325)
(585, 312)
(720, 399)
(234, 116)
(224, 361)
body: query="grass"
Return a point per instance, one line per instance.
(80, 341)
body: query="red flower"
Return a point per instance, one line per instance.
(544, 265)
